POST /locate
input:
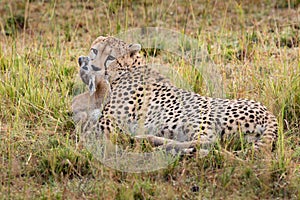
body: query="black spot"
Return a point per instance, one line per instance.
(175, 120)
(102, 127)
(85, 68)
(140, 89)
(222, 133)
(231, 121)
(247, 125)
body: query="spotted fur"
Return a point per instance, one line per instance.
(144, 104)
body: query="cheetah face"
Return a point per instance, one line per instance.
(105, 50)
(103, 53)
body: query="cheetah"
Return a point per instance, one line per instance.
(142, 104)
(99, 90)
(87, 107)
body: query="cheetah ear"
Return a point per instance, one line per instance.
(92, 85)
(134, 48)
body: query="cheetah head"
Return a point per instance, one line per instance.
(99, 63)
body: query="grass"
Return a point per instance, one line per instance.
(254, 45)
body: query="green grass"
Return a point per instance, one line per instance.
(254, 45)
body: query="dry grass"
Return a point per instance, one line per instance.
(254, 44)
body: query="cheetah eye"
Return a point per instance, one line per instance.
(93, 53)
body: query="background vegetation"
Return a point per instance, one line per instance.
(254, 44)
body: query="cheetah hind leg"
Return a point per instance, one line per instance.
(174, 147)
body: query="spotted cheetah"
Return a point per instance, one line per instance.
(87, 107)
(142, 104)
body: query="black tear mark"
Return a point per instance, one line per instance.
(95, 68)
(85, 68)
(110, 57)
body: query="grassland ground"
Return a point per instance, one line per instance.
(254, 45)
